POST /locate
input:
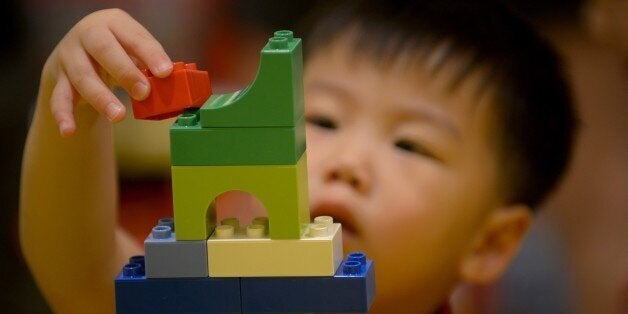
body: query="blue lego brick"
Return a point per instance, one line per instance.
(168, 258)
(137, 294)
(351, 289)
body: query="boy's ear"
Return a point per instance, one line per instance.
(496, 245)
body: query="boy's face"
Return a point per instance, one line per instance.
(403, 164)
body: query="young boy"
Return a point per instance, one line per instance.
(434, 129)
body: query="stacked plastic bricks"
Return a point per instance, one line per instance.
(252, 140)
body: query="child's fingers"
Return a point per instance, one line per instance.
(90, 86)
(61, 105)
(102, 45)
(140, 43)
(138, 63)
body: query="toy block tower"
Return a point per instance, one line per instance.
(252, 140)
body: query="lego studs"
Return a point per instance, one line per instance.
(161, 232)
(230, 227)
(325, 220)
(281, 39)
(135, 267)
(318, 230)
(255, 231)
(187, 119)
(234, 222)
(261, 221)
(224, 231)
(166, 221)
(358, 257)
(278, 43)
(320, 227)
(285, 34)
(355, 264)
(132, 270)
(138, 259)
(351, 268)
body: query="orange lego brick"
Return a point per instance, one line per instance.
(186, 87)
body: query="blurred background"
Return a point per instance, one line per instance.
(575, 260)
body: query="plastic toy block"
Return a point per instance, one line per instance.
(186, 87)
(166, 221)
(137, 294)
(274, 99)
(252, 140)
(192, 145)
(168, 258)
(351, 289)
(281, 188)
(248, 253)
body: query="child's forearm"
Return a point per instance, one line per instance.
(68, 211)
(68, 208)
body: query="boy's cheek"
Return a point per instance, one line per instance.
(388, 233)
(403, 235)
(315, 152)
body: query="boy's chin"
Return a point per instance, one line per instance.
(350, 242)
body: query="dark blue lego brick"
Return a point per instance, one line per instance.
(136, 294)
(351, 289)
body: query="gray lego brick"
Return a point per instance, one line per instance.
(168, 258)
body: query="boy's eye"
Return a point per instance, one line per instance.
(412, 147)
(322, 122)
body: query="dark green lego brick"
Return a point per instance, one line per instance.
(193, 145)
(275, 99)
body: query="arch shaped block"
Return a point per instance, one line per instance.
(281, 188)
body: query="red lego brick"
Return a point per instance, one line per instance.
(186, 87)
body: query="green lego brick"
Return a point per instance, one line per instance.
(281, 188)
(191, 145)
(274, 99)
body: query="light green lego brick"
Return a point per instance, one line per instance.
(281, 188)
(311, 255)
(274, 99)
(190, 144)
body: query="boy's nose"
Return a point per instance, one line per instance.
(350, 170)
(347, 177)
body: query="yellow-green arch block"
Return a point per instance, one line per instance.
(281, 188)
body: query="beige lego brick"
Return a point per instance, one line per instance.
(231, 253)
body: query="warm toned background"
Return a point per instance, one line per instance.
(574, 261)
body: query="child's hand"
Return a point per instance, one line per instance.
(107, 43)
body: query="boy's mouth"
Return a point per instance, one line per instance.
(341, 213)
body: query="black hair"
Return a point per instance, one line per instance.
(534, 119)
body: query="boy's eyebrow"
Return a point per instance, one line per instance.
(414, 108)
